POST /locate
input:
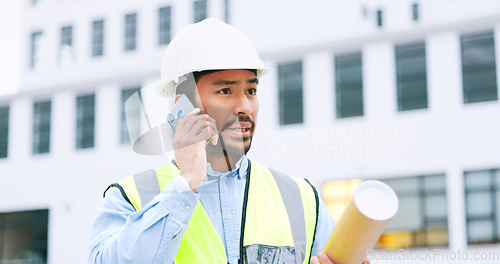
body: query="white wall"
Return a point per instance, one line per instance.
(447, 137)
(10, 66)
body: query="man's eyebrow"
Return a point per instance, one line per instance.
(224, 82)
(227, 82)
(254, 80)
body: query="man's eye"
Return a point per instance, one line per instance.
(252, 91)
(224, 91)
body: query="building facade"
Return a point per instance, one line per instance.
(401, 91)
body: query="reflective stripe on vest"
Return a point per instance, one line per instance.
(279, 217)
(294, 208)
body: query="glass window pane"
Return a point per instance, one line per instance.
(411, 76)
(415, 12)
(409, 215)
(66, 36)
(130, 31)
(477, 179)
(497, 178)
(437, 182)
(35, 49)
(85, 121)
(164, 17)
(348, 85)
(422, 217)
(437, 236)
(97, 38)
(41, 127)
(403, 185)
(379, 18)
(480, 231)
(66, 55)
(290, 93)
(226, 11)
(435, 206)
(4, 130)
(337, 194)
(24, 237)
(200, 10)
(479, 67)
(497, 202)
(478, 204)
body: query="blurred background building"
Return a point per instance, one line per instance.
(405, 91)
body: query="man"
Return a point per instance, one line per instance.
(212, 204)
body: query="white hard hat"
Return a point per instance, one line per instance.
(207, 45)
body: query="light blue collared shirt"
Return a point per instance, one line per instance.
(153, 234)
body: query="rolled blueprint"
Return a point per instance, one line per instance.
(370, 209)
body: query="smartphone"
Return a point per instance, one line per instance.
(180, 109)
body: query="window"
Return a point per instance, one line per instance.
(478, 67)
(422, 219)
(130, 31)
(337, 195)
(129, 115)
(290, 93)
(66, 36)
(411, 76)
(41, 127)
(379, 18)
(200, 10)
(97, 38)
(414, 9)
(66, 50)
(85, 119)
(164, 27)
(36, 43)
(23, 236)
(482, 197)
(349, 85)
(226, 11)
(4, 131)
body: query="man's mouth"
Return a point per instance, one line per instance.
(240, 129)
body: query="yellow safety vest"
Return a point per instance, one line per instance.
(278, 221)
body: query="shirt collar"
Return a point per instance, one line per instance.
(240, 170)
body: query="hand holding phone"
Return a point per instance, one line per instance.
(182, 107)
(192, 131)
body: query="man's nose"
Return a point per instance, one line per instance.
(242, 105)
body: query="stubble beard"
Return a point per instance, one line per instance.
(233, 150)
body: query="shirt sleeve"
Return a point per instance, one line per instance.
(120, 234)
(324, 228)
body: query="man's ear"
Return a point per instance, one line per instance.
(177, 96)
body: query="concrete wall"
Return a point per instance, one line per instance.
(448, 137)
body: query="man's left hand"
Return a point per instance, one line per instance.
(322, 258)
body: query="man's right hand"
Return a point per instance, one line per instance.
(189, 142)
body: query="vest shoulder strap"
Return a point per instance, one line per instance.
(141, 188)
(292, 199)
